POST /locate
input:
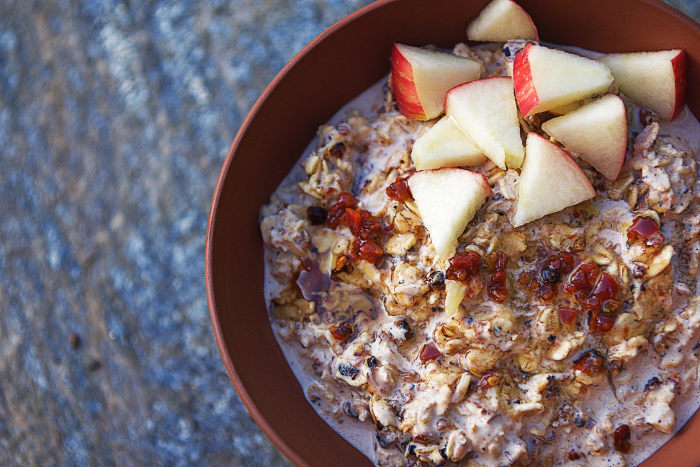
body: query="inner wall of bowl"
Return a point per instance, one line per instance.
(353, 55)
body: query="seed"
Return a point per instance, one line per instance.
(436, 279)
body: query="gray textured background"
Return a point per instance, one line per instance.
(115, 117)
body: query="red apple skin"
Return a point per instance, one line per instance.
(403, 86)
(679, 72)
(525, 92)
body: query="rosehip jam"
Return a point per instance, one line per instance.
(605, 289)
(429, 352)
(463, 265)
(601, 322)
(316, 215)
(362, 224)
(642, 228)
(335, 212)
(366, 250)
(589, 362)
(497, 289)
(621, 438)
(581, 281)
(342, 332)
(399, 190)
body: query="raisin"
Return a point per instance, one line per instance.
(316, 215)
(372, 361)
(621, 438)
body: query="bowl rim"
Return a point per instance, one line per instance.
(241, 390)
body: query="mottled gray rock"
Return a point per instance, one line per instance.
(115, 117)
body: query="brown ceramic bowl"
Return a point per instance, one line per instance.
(331, 70)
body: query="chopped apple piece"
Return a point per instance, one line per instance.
(445, 145)
(454, 294)
(550, 181)
(502, 20)
(655, 80)
(421, 77)
(547, 78)
(565, 109)
(485, 110)
(447, 199)
(597, 132)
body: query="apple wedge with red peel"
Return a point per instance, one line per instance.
(421, 77)
(500, 21)
(597, 132)
(447, 199)
(485, 110)
(547, 78)
(656, 80)
(550, 180)
(445, 145)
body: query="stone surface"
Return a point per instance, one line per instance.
(115, 117)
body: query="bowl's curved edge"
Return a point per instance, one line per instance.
(209, 285)
(211, 299)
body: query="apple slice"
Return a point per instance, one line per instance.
(566, 108)
(445, 145)
(502, 20)
(485, 110)
(421, 77)
(454, 294)
(447, 199)
(550, 181)
(655, 80)
(548, 78)
(597, 132)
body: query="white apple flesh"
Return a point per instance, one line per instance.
(596, 132)
(421, 77)
(547, 78)
(655, 80)
(500, 21)
(550, 180)
(447, 199)
(485, 110)
(445, 145)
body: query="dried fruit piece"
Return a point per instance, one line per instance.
(429, 352)
(621, 438)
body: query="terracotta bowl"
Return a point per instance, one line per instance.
(331, 70)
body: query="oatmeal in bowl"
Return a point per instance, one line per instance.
(491, 257)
